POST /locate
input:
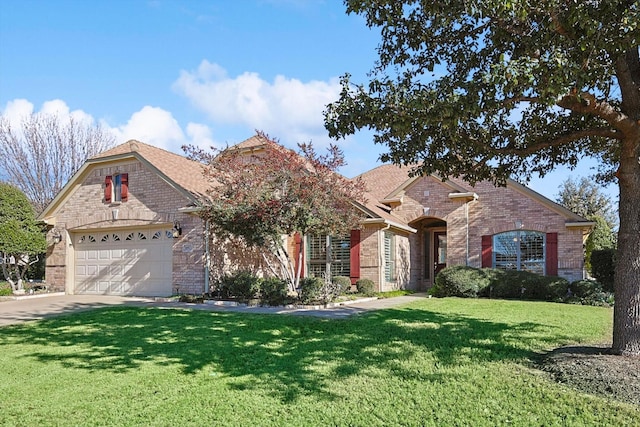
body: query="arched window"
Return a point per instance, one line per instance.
(520, 250)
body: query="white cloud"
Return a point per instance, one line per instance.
(151, 125)
(200, 136)
(16, 110)
(288, 109)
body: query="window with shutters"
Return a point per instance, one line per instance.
(328, 256)
(520, 250)
(116, 188)
(389, 257)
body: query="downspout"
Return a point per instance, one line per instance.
(466, 217)
(207, 255)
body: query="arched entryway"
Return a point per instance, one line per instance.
(431, 244)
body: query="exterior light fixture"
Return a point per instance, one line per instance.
(177, 230)
(57, 236)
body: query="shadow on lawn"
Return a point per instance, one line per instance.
(294, 355)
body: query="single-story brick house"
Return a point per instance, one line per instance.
(127, 224)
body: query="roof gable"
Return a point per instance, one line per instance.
(184, 175)
(389, 182)
(187, 174)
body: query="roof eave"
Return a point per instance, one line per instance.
(392, 224)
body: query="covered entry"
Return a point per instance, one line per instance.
(123, 262)
(432, 236)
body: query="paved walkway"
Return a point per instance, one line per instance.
(35, 308)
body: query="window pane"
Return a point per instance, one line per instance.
(117, 188)
(505, 250)
(442, 248)
(389, 257)
(340, 256)
(519, 250)
(328, 256)
(532, 252)
(317, 247)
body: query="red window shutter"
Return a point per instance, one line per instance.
(108, 189)
(487, 255)
(124, 189)
(552, 254)
(354, 256)
(298, 253)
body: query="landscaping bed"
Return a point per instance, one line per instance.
(594, 370)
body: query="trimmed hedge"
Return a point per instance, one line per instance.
(311, 289)
(343, 283)
(242, 285)
(459, 281)
(589, 292)
(525, 285)
(470, 282)
(366, 287)
(273, 291)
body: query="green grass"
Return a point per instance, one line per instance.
(439, 362)
(5, 288)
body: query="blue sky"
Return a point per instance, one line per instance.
(169, 72)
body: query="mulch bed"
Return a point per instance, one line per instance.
(594, 370)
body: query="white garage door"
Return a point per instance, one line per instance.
(131, 262)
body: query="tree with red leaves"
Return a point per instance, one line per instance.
(262, 196)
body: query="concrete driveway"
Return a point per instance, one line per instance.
(40, 307)
(36, 308)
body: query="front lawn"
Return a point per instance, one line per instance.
(437, 362)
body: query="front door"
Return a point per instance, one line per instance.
(440, 250)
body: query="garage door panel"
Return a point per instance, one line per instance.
(124, 263)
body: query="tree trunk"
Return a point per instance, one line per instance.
(626, 319)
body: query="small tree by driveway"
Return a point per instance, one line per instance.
(21, 239)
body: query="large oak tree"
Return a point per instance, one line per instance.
(487, 90)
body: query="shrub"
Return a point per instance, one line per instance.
(509, 283)
(517, 284)
(242, 285)
(589, 292)
(547, 288)
(273, 291)
(193, 299)
(603, 265)
(584, 288)
(311, 289)
(459, 281)
(365, 287)
(343, 282)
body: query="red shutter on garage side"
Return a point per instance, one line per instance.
(124, 182)
(108, 188)
(354, 256)
(552, 254)
(487, 255)
(298, 253)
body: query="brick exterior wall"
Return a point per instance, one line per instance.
(151, 202)
(496, 210)
(426, 206)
